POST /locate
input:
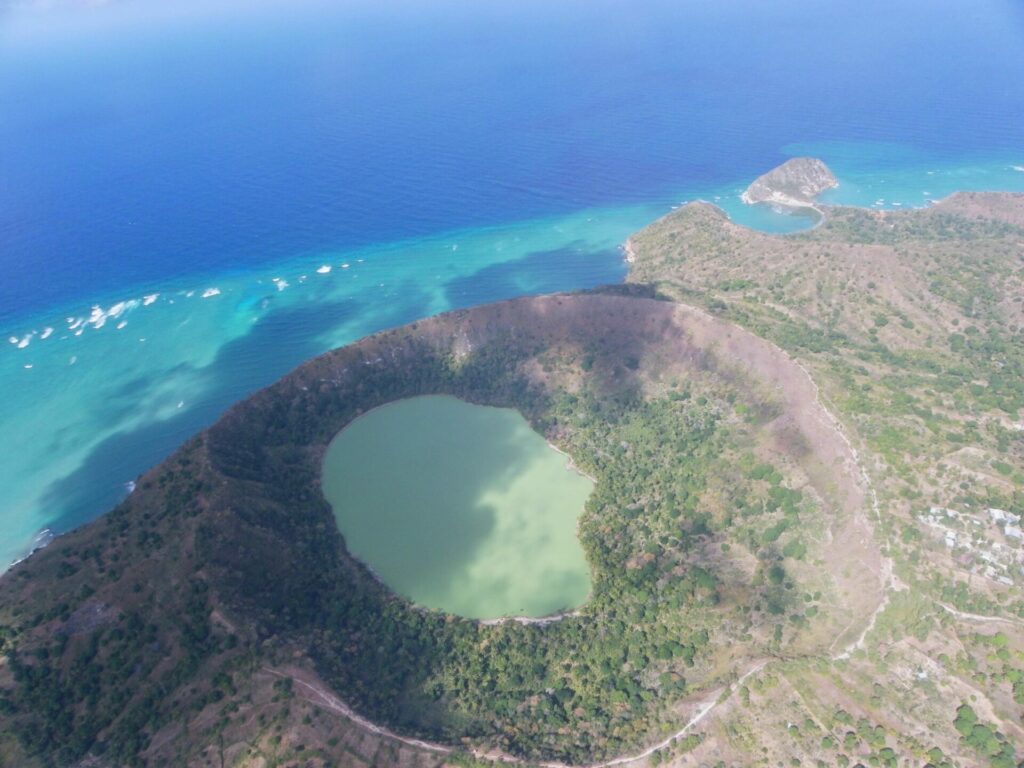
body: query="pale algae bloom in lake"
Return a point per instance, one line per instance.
(460, 507)
(169, 249)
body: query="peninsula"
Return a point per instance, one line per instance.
(803, 534)
(794, 184)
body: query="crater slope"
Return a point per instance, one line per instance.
(804, 535)
(728, 525)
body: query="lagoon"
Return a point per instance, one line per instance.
(461, 508)
(192, 172)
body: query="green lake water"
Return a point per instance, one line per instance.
(460, 507)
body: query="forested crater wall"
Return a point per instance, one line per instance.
(720, 480)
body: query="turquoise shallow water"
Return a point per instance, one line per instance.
(882, 177)
(91, 404)
(465, 152)
(461, 508)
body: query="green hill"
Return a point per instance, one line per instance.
(784, 432)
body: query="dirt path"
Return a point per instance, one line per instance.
(803, 703)
(542, 620)
(713, 699)
(979, 617)
(709, 703)
(888, 578)
(861, 524)
(321, 696)
(570, 464)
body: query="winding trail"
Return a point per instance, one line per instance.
(890, 583)
(540, 620)
(711, 701)
(980, 617)
(322, 696)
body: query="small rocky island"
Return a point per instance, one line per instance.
(794, 184)
(768, 423)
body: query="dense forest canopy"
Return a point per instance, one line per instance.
(705, 514)
(809, 481)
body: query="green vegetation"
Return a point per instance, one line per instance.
(674, 492)
(718, 533)
(607, 673)
(911, 325)
(990, 745)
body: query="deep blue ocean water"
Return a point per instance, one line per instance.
(449, 153)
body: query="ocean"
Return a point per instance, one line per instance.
(195, 197)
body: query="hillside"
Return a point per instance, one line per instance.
(803, 538)
(912, 323)
(794, 184)
(230, 546)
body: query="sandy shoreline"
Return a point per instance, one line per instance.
(570, 464)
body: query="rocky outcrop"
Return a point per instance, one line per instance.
(794, 184)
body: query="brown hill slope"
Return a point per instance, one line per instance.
(170, 629)
(912, 324)
(744, 608)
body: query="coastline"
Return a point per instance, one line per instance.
(789, 206)
(570, 464)
(42, 540)
(713, 697)
(425, 609)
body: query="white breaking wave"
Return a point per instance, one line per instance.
(98, 316)
(324, 270)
